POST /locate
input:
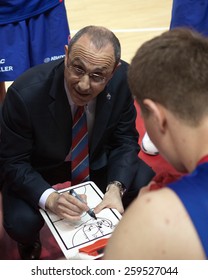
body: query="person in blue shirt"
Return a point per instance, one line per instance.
(169, 78)
(185, 13)
(32, 32)
(190, 13)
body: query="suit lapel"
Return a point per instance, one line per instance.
(59, 107)
(102, 114)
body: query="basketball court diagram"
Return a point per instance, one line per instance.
(74, 235)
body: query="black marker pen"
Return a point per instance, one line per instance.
(90, 211)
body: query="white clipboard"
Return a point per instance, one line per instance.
(71, 237)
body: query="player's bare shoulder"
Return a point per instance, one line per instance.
(169, 224)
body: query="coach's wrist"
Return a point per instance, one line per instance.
(118, 185)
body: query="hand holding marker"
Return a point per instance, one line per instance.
(90, 211)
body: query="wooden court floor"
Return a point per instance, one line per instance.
(133, 21)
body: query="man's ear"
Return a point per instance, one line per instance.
(119, 64)
(157, 113)
(115, 68)
(66, 55)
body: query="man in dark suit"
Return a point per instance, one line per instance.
(36, 136)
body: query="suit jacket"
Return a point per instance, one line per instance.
(36, 131)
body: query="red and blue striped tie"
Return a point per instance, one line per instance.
(79, 150)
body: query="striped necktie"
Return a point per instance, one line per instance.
(79, 150)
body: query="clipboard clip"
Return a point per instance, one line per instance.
(96, 248)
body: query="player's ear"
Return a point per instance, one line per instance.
(157, 113)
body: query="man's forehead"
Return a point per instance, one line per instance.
(86, 51)
(84, 43)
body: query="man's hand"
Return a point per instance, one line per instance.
(66, 206)
(111, 199)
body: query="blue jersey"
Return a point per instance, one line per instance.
(33, 41)
(18, 10)
(192, 190)
(190, 13)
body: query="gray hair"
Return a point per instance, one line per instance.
(100, 37)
